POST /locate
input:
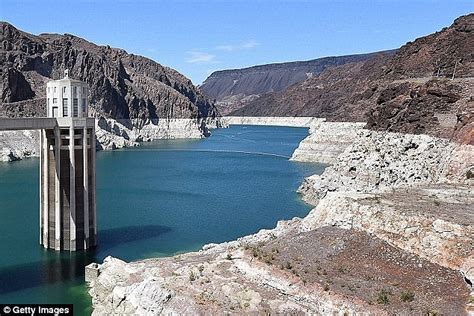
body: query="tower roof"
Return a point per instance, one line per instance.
(66, 79)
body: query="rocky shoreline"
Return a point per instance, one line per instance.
(112, 134)
(391, 232)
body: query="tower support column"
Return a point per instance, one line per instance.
(72, 190)
(85, 158)
(44, 189)
(57, 189)
(93, 184)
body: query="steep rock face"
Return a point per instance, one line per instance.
(15, 87)
(410, 91)
(236, 87)
(380, 160)
(443, 53)
(125, 87)
(440, 107)
(326, 141)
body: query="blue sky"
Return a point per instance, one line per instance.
(198, 37)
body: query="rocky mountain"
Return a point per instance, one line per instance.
(425, 87)
(132, 89)
(234, 88)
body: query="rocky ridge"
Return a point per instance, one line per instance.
(391, 232)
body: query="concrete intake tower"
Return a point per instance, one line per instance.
(67, 169)
(67, 213)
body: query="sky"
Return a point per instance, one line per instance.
(197, 37)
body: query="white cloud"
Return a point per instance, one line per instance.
(250, 44)
(228, 48)
(244, 45)
(197, 57)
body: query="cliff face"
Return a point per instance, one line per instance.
(123, 86)
(236, 87)
(412, 91)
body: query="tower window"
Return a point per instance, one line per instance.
(75, 107)
(84, 106)
(64, 89)
(54, 89)
(65, 111)
(55, 100)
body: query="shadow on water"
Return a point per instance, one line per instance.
(56, 267)
(110, 238)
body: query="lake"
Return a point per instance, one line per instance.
(163, 198)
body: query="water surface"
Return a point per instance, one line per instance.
(163, 198)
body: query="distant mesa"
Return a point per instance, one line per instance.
(235, 88)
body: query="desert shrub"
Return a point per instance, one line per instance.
(382, 297)
(470, 174)
(407, 296)
(192, 276)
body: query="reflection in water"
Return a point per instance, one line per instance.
(61, 266)
(53, 267)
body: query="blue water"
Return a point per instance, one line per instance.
(161, 199)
